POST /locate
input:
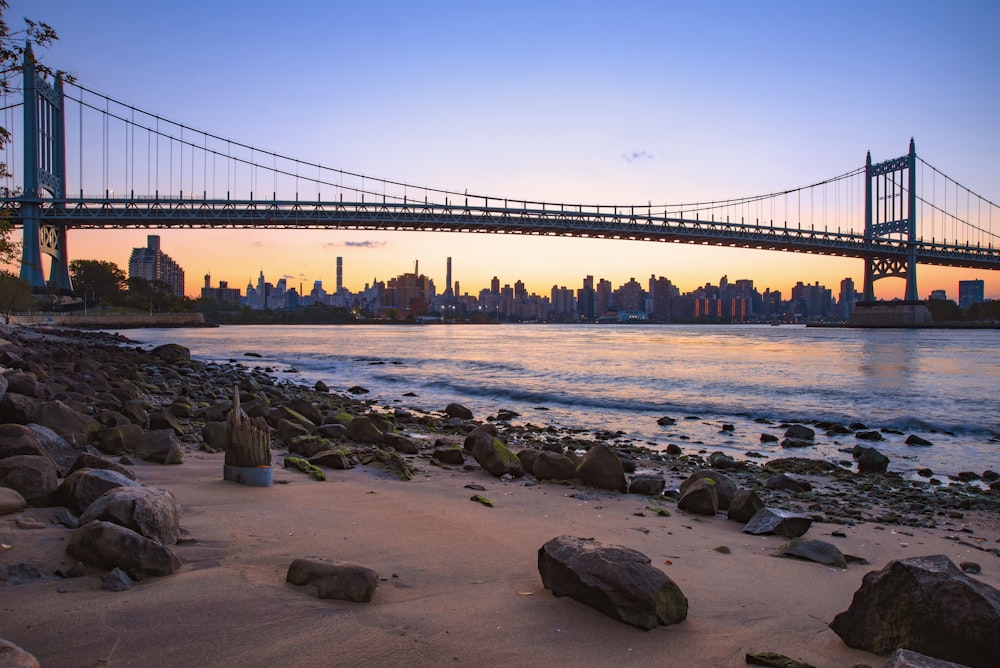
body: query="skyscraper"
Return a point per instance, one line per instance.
(152, 264)
(971, 292)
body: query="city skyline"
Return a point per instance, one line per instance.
(630, 102)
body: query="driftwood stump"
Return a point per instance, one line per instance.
(248, 442)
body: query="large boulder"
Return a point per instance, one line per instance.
(776, 521)
(120, 440)
(27, 384)
(18, 408)
(813, 550)
(700, 498)
(647, 484)
(800, 432)
(925, 604)
(11, 501)
(148, 511)
(615, 580)
(870, 460)
(495, 457)
(109, 545)
(17, 439)
(362, 430)
(458, 411)
(725, 487)
(68, 423)
(32, 476)
(62, 452)
(81, 488)
(334, 579)
(161, 447)
(172, 353)
(744, 506)
(13, 656)
(601, 468)
(88, 460)
(553, 466)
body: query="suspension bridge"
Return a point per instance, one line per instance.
(131, 168)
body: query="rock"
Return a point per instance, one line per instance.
(553, 466)
(320, 386)
(915, 440)
(306, 409)
(813, 550)
(458, 411)
(870, 460)
(796, 443)
(666, 421)
(744, 506)
(68, 423)
(17, 408)
(725, 487)
(719, 460)
(12, 656)
(333, 579)
(674, 450)
(18, 439)
(289, 430)
(333, 432)
(19, 574)
(925, 604)
(700, 498)
(357, 389)
(400, 443)
(495, 457)
(109, 545)
(62, 452)
(774, 660)
(781, 522)
(970, 567)
(361, 430)
(800, 432)
(333, 459)
(33, 477)
(213, 437)
(768, 438)
(147, 511)
(869, 436)
(601, 468)
(116, 580)
(11, 501)
(783, 481)
(904, 658)
(89, 461)
(647, 484)
(26, 384)
(470, 439)
(160, 447)
(307, 445)
(120, 440)
(450, 454)
(161, 418)
(528, 457)
(172, 353)
(617, 581)
(81, 488)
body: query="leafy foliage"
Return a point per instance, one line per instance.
(15, 295)
(97, 281)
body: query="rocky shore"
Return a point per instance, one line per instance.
(83, 415)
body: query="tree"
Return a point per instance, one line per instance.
(97, 279)
(15, 295)
(12, 46)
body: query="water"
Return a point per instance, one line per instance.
(940, 384)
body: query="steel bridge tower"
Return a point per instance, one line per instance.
(891, 211)
(44, 175)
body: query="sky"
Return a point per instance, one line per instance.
(611, 102)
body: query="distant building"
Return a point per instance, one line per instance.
(938, 294)
(971, 292)
(223, 293)
(152, 264)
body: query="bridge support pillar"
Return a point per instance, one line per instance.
(891, 212)
(44, 175)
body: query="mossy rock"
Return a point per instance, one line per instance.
(304, 466)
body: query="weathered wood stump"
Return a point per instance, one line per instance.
(248, 448)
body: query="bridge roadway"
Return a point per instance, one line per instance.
(632, 223)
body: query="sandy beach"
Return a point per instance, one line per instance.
(459, 580)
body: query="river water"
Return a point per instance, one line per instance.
(943, 385)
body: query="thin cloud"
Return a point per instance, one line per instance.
(355, 244)
(636, 156)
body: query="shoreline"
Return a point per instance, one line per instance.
(458, 580)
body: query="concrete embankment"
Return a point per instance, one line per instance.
(111, 320)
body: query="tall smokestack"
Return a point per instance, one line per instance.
(447, 283)
(416, 267)
(340, 273)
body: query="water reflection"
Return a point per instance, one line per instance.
(888, 361)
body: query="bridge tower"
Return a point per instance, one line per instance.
(891, 211)
(44, 175)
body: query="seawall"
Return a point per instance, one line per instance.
(111, 320)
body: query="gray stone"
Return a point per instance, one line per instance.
(148, 511)
(116, 580)
(870, 460)
(744, 506)
(400, 443)
(458, 411)
(11, 501)
(700, 498)
(647, 484)
(904, 658)
(68, 423)
(725, 487)
(172, 353)
(553, 466)
(601, 468)
(161, 447)
(450, 454)
(120, 440)
(925, 604)
(780, 522)
(333, 459)
(813, 550)
(617, 581)
(33, 477)
(495, 457)
(362, 430)
(334, 579)
(800, 432)
(62, 452)
(783, 481)
(109, 545)
(12, 656)
(87, 460)
(213, 436)
(81, 488)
